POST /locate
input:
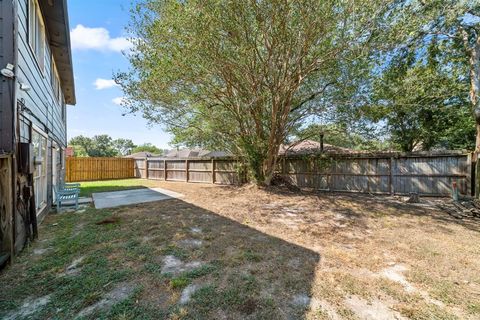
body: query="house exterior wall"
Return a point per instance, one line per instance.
(41, 106)
(32, 113)
(6, 85)
(6, 133)
(48, 113)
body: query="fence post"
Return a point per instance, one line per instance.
(146, 168)
(68, 175)
(186, 170)
(391, 187)
(164, 169)
(468, 174)
(213, 171)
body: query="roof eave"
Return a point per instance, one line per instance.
(57, 24)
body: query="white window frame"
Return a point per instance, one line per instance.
(40, 175)
(55, 82)
(36, 33)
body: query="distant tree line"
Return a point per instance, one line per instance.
(105, 146)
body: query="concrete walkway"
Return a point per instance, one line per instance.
(128, 197)
(81, 200)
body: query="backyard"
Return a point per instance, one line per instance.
(225, 252)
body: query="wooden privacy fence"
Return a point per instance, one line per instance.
(219, 171)
(390, 173)
(382, 173)
(90, 169)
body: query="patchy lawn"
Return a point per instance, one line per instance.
(87, 188)
(247, 253)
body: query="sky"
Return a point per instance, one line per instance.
(98, 37)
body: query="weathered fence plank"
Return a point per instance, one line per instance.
(423, 173)
(199, 170)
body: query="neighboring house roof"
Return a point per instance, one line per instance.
(310, 147)
(142, 154)
(218, 154)
(56, 21)
(196, 153)
(69, 151)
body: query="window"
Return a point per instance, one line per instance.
(64, 111)
(55, 82)
(56, 168)
(40, 173)
(36, 32)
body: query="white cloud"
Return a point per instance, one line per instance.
(101, 84)
(119, 100)
(85, 38)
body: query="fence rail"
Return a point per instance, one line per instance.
(90, 169)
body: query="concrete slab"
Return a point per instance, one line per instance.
(103, 200)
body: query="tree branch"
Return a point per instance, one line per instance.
(311, 97)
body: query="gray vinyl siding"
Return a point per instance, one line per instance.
(6, 85)
(2, 54)
(41, 100)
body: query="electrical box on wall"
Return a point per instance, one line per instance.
(25, 158)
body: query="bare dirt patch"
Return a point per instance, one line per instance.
(29, 307)
(371, 310)
(75, 267)
(117, 294)
(370, 238)
(173, 265)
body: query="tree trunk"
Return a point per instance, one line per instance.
(271, 160)
(474, 99)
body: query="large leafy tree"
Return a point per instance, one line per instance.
(124, 147)
(241, 74)
(82, 144)
(98, 146)
(421, 98)
(340, 135)
(453, 24)
(148, 147)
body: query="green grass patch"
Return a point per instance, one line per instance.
(474, 308)
(185, 278)
(241, 296)
(252, 256)
(175, 251)
(179, 282)
(87, 188)
(71, 236)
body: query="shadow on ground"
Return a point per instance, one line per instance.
(168, 259)
(372, 203)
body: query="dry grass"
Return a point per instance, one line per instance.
(263, 254)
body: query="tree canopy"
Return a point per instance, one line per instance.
(247, 76)
(241, 74)
(148, 147)
(415, 86)
(105, 146)
(423, 101)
